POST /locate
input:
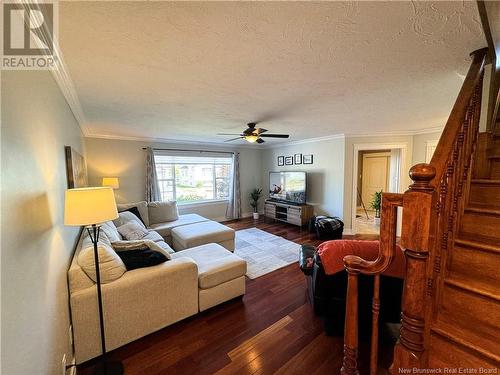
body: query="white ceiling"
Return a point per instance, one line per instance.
(188, 70)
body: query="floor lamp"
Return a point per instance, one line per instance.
(90, 207)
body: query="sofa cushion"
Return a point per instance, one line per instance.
(110, 231)
(135, 211)
(165, 228)
(187, 236)
(126, 217)
(132, 231)
(161, 212)
(111, 266)
(216, 265)
(141, 206)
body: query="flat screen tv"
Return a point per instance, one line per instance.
(288, 187)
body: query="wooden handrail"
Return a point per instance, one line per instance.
(431, 207)
(356, 265)
(452, 128)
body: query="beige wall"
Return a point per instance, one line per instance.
(36, 246)
(420, 146)
(126, 160)
(325, 177)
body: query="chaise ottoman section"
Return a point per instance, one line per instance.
(165, 228)
(187, 236)
(221, 274)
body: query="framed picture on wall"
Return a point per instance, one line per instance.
(281, 161)
(289, 160)
(297, 159)
(307, 159)
(76, 169)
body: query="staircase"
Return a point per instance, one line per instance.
(451, 239)
(465, 328)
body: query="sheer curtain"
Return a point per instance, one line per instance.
(233, 210)
(152, 187)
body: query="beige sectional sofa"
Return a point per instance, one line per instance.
(141, 301)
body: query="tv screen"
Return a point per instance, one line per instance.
(288, 186)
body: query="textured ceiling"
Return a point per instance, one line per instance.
(187, 70)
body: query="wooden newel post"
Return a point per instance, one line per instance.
(417, 217)
(350, 361)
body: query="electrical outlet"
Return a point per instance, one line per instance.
(63, 364)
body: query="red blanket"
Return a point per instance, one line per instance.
(332, 254)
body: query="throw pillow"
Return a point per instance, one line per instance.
(136, 212)
(111, 266)
(161, 212)
(126, 217)
(141, 206)
(143, 244)
(132, 230)
(134, 259)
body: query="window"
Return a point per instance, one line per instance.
(186, 178)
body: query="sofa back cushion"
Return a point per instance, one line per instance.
(162, 212)
(111, 266)
(142, 207)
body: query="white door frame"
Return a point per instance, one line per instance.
(403, 146)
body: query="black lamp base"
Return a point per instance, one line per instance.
(108, 368)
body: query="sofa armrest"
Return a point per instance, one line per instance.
(138, 303)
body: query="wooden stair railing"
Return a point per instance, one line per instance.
(431, 208)
(356, 265)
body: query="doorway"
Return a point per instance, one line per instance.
(376, 168)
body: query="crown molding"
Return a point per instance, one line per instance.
(305, 141)
(60, 74)
(397, 132)
(171, 141)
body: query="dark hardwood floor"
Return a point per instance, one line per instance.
(271, 330)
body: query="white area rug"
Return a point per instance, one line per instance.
(264, 252)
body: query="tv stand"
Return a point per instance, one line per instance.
(288, 213)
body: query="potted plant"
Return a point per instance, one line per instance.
(254, 201)
(376, 203)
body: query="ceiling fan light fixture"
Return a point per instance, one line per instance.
(251, 138)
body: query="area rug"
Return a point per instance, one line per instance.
(264, 252)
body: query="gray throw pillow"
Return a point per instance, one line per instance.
(132, 230)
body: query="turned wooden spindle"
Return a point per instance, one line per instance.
(350, 360)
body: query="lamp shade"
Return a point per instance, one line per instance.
(111, 182)
(87, 206)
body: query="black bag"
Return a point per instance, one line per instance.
(328, 228)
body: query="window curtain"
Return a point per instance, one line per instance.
(233, 210)
(152, 187)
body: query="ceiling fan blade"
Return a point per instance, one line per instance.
(233, 139)
(261, 130)
(275, 135)
(260, 140)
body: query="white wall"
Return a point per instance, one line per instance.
(325, 177)
(127, 161)
(36, 246)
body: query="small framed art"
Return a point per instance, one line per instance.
(307, 159)
(297, 159)
(289, 160)
(281, 161)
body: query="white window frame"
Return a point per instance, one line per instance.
(214, 182)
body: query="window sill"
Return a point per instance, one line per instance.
(202, 203)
